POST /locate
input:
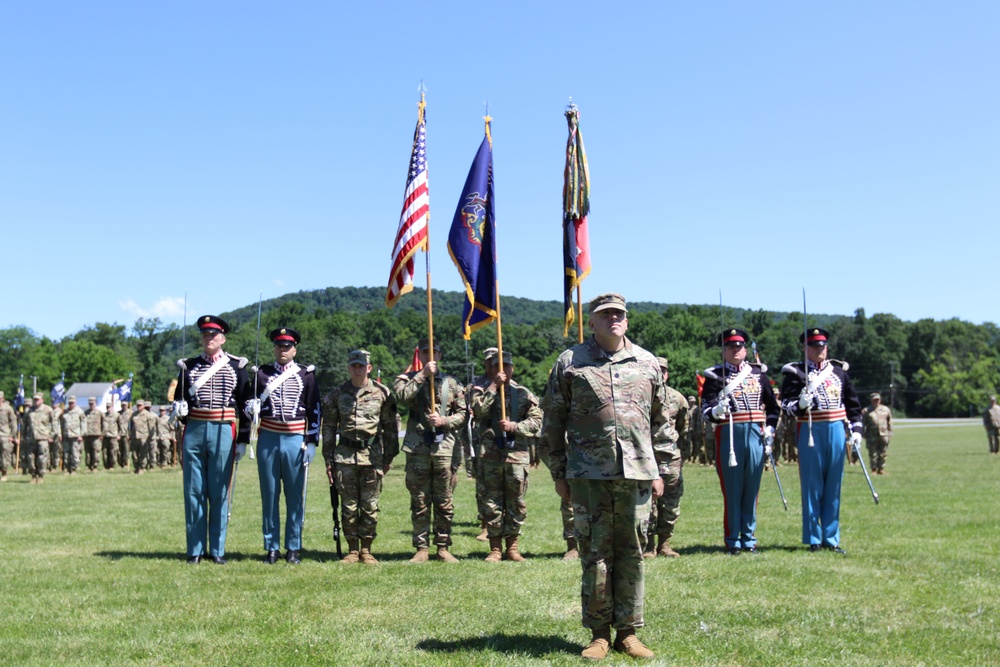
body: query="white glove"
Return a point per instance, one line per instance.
(240, 451)
(309, 454)
(855, 439)
(769, 433)
(805, 400)
(721, 410)
(252, 409)
(181, 408)
(767, 449)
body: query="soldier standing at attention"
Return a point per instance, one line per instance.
(825, 390)
(93, 434)
(605, 405)
(110, 448)
(289, 406)
(214, 390)
(164, 439)
(476, 442)
(876, 428)
(505, 458)
(739, 393)
(145, 426)
(41, 429)
(991, 421)
(431, 455)
(8, 437)
(74, 425)
(363, 412)
(665, 510)
(124, 435)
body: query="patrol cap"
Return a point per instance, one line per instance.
(734, 337)
(71, 399)
(92, 399)
(285, 336)
(424, 344)
(140, 403)
(607, 301)
(692, 399)
(362, 357)
(508, 358)
(817, 337)
(163, 408)
(664, 364)
(38, 395)
(490, 354)
(875, 395)
(212, 323)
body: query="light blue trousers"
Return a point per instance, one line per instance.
(740, 484)
(821, 473)
(208, 464)
(280, 463)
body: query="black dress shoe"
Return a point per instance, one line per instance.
(836, 550)
(733, 551)
(272, 557)
(218, 560)
(813, 548)
(292, 557)
(753, 551)
(194, 560)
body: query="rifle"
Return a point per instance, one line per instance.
(857, 451)
(769, 443)
(335, 502)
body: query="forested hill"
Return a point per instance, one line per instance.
(924, 368)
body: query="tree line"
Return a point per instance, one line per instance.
(928, 368)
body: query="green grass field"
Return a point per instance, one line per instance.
(93, 573)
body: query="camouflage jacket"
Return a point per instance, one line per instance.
(74, 423)
(144, 426)
(365, 419)
(8, 421)
(486, 409)
(666, 445)
(604, 412)
(876, 424)
(111, 425)
(991, 418)
(95, 422)
(164, 430)
(413, 391)
(40, 423)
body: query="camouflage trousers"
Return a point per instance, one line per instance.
(504, 506)
(92, 451)
(72, 447)
(664, 510)
(144, 454)
(477, 471)
(55, 454)
(359, 488)
(610, 519)
(36, 457)
(878, 449)
(6, 454)
(109, 451)
(123, 452)
(993, 435)
(165, 452)
(429, 481)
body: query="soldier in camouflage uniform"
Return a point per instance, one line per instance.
(665, 510)
(110, 448)
(164, 439)
(991, 422)
(144, 428)
(693, 431)
(41, 429)
(876, 429)
(476, 444)
(56, 447)
(94, 433)
(363, 412)
(124, 435)
(74, 425)
(8, 437)
(431, 455)
(784, 435)
(605, 407)
(506, 438)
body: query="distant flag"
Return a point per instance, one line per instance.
(125, 391)
(700, 379)
(576, 208)
(19, 398)
(415, 364)
(413, 221)
(471, 241)
(59, 391)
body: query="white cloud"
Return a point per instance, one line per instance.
(166, 307)
(278, 282)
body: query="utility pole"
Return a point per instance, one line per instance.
(34, 385)
(892, 384)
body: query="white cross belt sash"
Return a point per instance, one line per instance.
(213, 369)
(277, 381)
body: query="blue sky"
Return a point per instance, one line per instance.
(229, 148)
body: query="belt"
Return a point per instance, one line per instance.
(297, 426)
(210, 415)
(835, 415)
(357, 444)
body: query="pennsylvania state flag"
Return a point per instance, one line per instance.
(471, 242)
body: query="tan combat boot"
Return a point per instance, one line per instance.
(512, 552)
(571, 552)
(421, 556)
(366, 553)
(483, 536)
(599, 645)
(627, 643)
(496, 550)
(352, 552)
(444, 555)
(665, 550)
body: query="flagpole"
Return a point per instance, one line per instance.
(579, 314)
(427, 263)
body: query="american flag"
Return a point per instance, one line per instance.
(412, 233)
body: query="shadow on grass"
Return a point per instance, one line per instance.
(530, 645)
(179, 556)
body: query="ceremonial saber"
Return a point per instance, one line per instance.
(232, 486)
(722, 392)
(781, 491)
(805, 364)
(857, 452)
(305, 486)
